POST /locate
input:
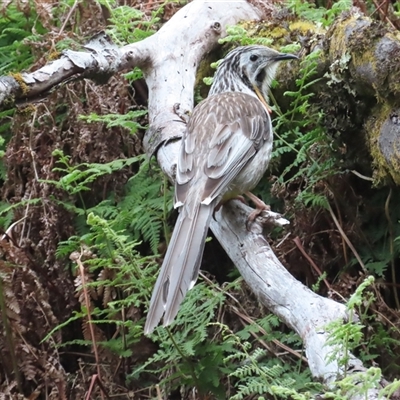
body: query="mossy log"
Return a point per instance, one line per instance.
(371, 73)
(360, 67)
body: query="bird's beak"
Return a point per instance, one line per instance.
(285, 56)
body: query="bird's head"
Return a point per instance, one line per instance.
(249, 69)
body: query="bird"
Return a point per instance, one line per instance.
(225, 150)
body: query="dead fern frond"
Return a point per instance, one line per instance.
(104, 289)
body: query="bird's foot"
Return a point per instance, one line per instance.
(217, 208)
(222, 202)
(260, 207)
(241, 199)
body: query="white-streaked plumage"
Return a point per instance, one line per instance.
(224, 153)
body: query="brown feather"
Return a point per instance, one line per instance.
(225, 150)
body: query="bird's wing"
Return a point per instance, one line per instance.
(223, 135)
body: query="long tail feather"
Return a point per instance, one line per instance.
(180, 268)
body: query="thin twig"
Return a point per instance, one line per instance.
(68, 17)
(383, 13)
(366, 178)
(299, 245)
(392, 263)
(262, 330)
(8, 232)
(89, 321)
(159, 397)
(30, 145)
(347, 240)
(243, 315)
(341, 223)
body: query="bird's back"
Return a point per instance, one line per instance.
(225, 132)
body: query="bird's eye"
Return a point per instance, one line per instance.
(253, 57)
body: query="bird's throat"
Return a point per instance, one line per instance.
(262, 99)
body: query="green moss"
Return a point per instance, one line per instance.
(374, 55)
(304, 27)
(54, 55)
(29, 109)
(20, 80)
(277, 33)
(337, 44)
(288, 30)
